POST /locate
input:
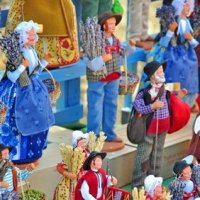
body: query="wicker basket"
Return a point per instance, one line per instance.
(3, 110)
(53, 88)
(128, 80)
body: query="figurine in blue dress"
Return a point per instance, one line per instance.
(29, 112)
(176, 46)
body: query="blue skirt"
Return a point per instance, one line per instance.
(182, 66)
(28, 119)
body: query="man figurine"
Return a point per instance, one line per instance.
(93, 184)
(154, 99)
(10, 175)
(103, 73)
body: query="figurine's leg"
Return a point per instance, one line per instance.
(142, 162)
(134, 23)
(145, 17)
(156, 155)
(95, 96)
(110, 109)
(89, 8)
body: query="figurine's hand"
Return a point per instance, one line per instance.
(32, 165)
(25, 63)
(114, 181)
(181, 93)
(157, 104)
(107, 57)
(48, 56)
(4, 184)
(72, 176)
(132, 42)
(173, 26)
(188, 36)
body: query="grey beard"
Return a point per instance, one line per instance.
(160, 80)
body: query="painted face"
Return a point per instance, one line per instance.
(186, 9)
(5, 154)
(97, 163)
(186, 174)
(158, 191)
(82, 143)
(31, 37)
(159, 75)
(110, 25)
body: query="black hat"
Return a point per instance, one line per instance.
(151, 67)
(179, 166)
(106, 15)
(3, 146)
(93, 154)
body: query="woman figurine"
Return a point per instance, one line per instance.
(176, 47)
(64, 188)
(29, 113)
(153, 187)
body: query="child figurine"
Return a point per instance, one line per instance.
(11, 175)
(80, 141)
(184, 186)
(93, 184)
(153, 187)
(29, 112)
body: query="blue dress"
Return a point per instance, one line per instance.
(180, 56)
(29, 113)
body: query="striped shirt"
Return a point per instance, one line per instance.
(8, 177)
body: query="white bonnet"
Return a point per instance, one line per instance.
(76, 135)
(22, 29)
(151, 182)
(178, 5)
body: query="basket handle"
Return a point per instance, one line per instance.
(54, 82)
(125, 70)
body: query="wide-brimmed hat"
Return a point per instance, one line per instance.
(93, 154)
(151, 67)
(3, 146)
(150, 183)
(179, 166)
(77, 135)
(106, 15)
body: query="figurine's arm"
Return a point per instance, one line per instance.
(164, 41)
(111, 180)
(62, 169)
(193, 42)
(85, 191)
(97, 63)
(4, 184)
(13, 76)
(140, 106)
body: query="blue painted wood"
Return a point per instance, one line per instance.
(3, 17)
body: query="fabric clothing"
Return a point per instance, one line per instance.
(149, 158)
(102, 107)
(138, 12)
(90, 185)
(111, 66)
(91, 8)
(29, 113)
(8, 177)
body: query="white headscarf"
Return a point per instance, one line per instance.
(77, 135)
(151, 182)
(179, 4)
(22, 30)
